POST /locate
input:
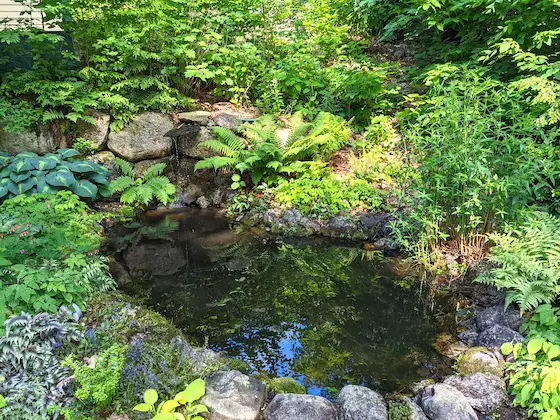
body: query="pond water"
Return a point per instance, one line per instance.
(322, 312)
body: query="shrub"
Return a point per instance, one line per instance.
(477, 161)
(266, 156)
(28, 173)
(143, 190)
(534, 376)
(528, 262)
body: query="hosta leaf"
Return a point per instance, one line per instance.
(54, 157)
(43, 187)
(99, 179)
(19, 177)
(20, 165)
(84, 188)
(67, 153)
(150, 396)
(26, 155)
(43, 163)
(4, 190)
(104, 191)
(4, 173)
(5, 158)
(84, 166)
(60, 179)
(21, 187)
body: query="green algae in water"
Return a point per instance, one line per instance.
(324, 313)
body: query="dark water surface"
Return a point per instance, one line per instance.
(325, 313)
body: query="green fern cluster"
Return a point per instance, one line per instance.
(268, 150)
(529, 262)
(142, 190)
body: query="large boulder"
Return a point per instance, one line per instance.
(495, 336)
(300, 407)
(41, 141)
(99, 132)
(196, 117)
(496, 315)
(443, 402)
(227, 120)
(417, 413)
(160, 259)
(481, 359)
(143, 138)
(360, 403)
(232, 395)
(187, 139)
(485, 393)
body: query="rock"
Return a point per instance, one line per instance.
(161, 259)
(417, 413)
(203, 358)
(119, 273)
(373, 225)
(447, 345)
(360, 403)
(189, 195)
(300, 407)
(496, 315)
(143, 138)
(495, 336)
(233, 396)
(216, 198)
(41, 142)
(252, 218)
(198, 117)
(291, 217)
(339, 226)
(485, 393)
(417, 386)
(227, 121)
(187, 139)
(271, 217)
(202, 202)
(99, 132)
(480, 359)
(469, 337)
(386, 244)
(310, 225)
(141, 167)
(443, 402)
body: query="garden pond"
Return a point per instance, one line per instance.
(323, 312)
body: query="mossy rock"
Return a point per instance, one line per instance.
(480, 359)
(237, 364)
(286, 386)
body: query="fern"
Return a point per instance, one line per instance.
(529, 262)
(125, 167)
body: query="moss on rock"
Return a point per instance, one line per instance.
(286, 386)
(480, 359)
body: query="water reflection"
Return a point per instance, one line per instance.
(324, 313)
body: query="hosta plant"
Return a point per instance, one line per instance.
(143, 190)
(182, 407)
(28, 173)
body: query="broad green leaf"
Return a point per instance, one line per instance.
(68, 153)
(2, 401)
(164, 416)
(150, 396)
(99, 179)
(44, 188)
(19, 177)
(4, 173)
(84, 166)
(21, 187)
(143, 407)
(84, 188)
(4, 190)
(20, 165)
(169, 406)
(43, 163)
(25, 155)
(194, 391)
(553, 352)
(535, 345)
(60, 179)
(507, 348)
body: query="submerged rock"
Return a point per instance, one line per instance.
(160, 259)
(143, 138)
(495, 336)
(300, 407)
(360, 403)
(485, 393)
(443, 402)
(496, 315)
(232, 395)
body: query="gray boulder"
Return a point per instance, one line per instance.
(485, 393)
(497, 335)
(203, 202)
(300, 407)
(443, 402)
(189, 139)
(197, 117)
(496, 315)
(227, 121)
(41, 141)
(160, 259)
(143, 138)
(417, 413)
(203, 358)
(360, 403)
(232, 395)
(99, 132)
(189, 195)
(339, 226)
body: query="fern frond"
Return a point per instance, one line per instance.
(228, 137)
(154, 170)
(120, 184)
(216, 162)
(125, 167)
